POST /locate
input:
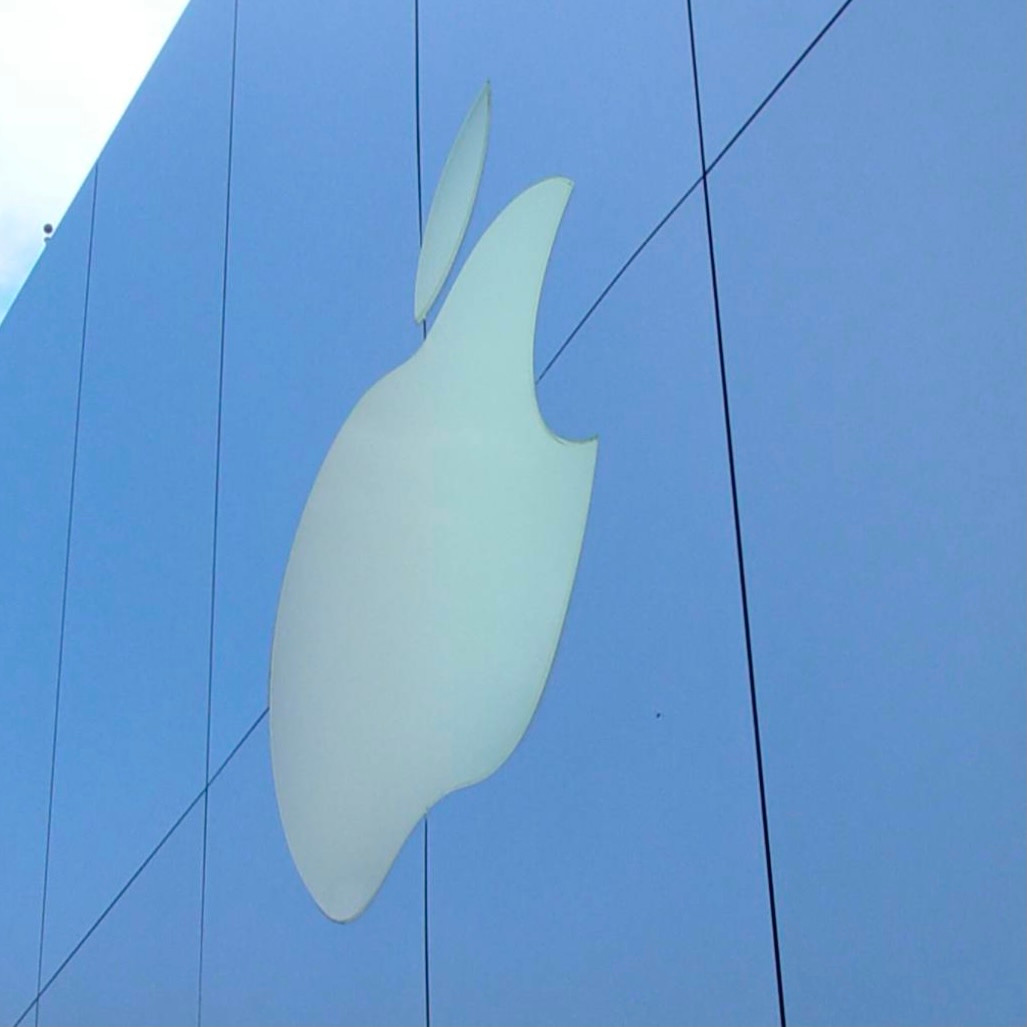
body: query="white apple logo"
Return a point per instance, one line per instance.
(432, 567)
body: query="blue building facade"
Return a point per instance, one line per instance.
(238, 269)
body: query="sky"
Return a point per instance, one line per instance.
(67, 71)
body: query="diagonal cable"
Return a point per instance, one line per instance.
(40, 992)
(695, 185)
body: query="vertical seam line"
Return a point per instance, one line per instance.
(217, 492)
(64, 590)
(424, 334)
(738, 529)
(142, 866)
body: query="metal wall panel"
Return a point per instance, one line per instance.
(612, 870)
(870, 235)
(270, 955)
(132, 722)
(323, 251)
(585, 91)
(140, 965)
(40, 346)
(869, 232)
(322, 255)
(743, 50)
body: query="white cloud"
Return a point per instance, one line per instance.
(68, 69)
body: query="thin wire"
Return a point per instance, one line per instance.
(40, 992)
(695, 185)
(738, 527)
(64, 592)
(780, 82)
(617, 277)
(424, 335)
(217, 496)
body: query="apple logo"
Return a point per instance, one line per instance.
(430, 574)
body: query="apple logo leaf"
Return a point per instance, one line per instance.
(452, 204)
(431, 571)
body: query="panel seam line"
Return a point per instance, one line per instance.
(64, 590)
(657, 228)
(424, 335)
(735, 509)
(217, 499)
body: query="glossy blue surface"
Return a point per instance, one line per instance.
(141, 964)
(580, 91)
(869, 231)
(744, 49)
(613, 867)
(132, 724)
(39, 366)
(323, 250)
(271, 956)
